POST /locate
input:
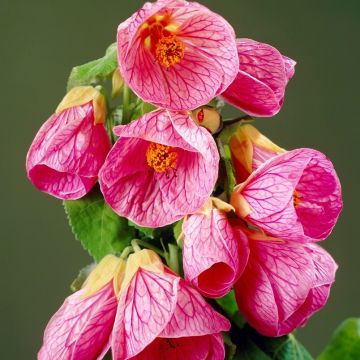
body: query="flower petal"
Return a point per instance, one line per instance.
(144, 310)
(275, 284)
(211, 254)
(81, 327)
(67, 153)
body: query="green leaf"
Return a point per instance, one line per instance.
(177, 229)
(229, 305)
(82, 276)
(252, 345)
(96, 226)
(230, 347)
(94, 71)
(146, 232)
(345, 343)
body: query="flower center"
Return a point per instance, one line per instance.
(169, 51)
(297, 198)
(161, 157)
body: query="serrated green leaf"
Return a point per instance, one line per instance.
(345, 343)
(94, 71)
(229, 305)
(82, 276)
(96, 226)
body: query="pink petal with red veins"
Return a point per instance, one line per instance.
(193, 316)
(275, 284)
(325, 269)
(209, 66)
(261, 155)
(144, 310)
(211, 253)
(217, 351)
(259, 87)
(149, 198)
(67, 153)
(81, 327)
(270, 193)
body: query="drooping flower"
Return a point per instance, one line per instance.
(215, 252)
(249, 149)
(259, 87)
(161, 317)
(162, 167)
(292, 196)
(284, 284)
(177, 54)
(70, 148)
(81, 328)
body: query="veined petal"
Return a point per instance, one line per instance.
(150, 198)
(67, 153)
(274, 285)
(144, 310)
(211, 254)
(207, 66)
(81, 328)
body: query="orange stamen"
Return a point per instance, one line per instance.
(161, 157)
(170, 51)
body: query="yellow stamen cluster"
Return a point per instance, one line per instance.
(161, 157)
(169, 51)
(297, 199)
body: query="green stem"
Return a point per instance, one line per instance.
(126, 104)
(225, 154)
(126, 252)
(135, 245)
(173, 258)
(145, 244)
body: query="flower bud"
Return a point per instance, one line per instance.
(207, 117)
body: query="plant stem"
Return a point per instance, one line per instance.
(126, 252)
(145, 244)
(135, 245)
(173, 258)
(126, 104)
(225, 155)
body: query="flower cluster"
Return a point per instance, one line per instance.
(256, 237)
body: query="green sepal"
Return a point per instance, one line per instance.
(82, 276)
(96, 71)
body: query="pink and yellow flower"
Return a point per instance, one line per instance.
(68, 151)
(81, 328)
(162, 167)
(161, 317)
(293, 196)
(284, 284)
(259, 87)
(215, 252)
(249, 149)
(177, 54)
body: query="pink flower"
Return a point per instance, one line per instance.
(259, 87)
(177, 54)
(81, 328)
(161, 317)
(70, 148)
(284, 284)
(162, 167)
(215, 252)
(292, 196)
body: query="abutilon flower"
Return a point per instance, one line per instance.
(215, 252)
(249, 149)
(284, 283)
(259, 87)
(68, 151)
(293, 196)
(81, 328)
(177, 54)
(161, 317)
(162, 167)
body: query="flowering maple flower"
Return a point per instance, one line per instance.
(215, 252)
(284, 283)
(249, 149)
(81, 328)
(292, 196)
(68, 151)
(259, 87)
(177, 54)
(162, 167)
(161, 317)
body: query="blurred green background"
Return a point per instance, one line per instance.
(42, 40)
